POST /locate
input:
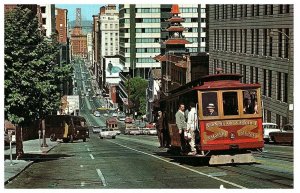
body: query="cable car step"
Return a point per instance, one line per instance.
(230, 159)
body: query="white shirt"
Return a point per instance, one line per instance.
(192, 119)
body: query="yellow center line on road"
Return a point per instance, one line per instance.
(178, 165)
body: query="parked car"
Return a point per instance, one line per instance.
(152, 131)
(286, 135)
(268, 128)
(121, 118)
(97, 114)
(107, 133)
(97, 129)
(131, 129)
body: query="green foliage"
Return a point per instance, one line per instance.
(32, 75)
(136, 88)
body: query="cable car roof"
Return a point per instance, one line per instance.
(223, 81)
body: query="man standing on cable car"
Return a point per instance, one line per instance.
(191, 127)
(181, 124)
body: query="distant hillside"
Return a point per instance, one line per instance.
(86, 25)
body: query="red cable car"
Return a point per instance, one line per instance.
(229, 117)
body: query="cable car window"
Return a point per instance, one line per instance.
(250, 105)
(210, 104)
(230, 103)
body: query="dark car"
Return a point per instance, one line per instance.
(286, 135)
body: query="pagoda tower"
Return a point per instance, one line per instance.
(175, 62)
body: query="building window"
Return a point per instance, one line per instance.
(231, 39)
(257, 42)
(241, 40)
(225, 39)
(235, 38)
(252, 41)
(285, 87)
(269, 116)
(270, 84)
(43, 9)
(245, 10)
(256, 75)
(257, 10)
(44, 21)
(235, 11)
(286, 45)
(223, 11)
(245, 40)
(265, 83)
(279, 95)
(270, 45)
(234, 68)
(252, 10)
(251, 74)
(271, 9)
(278, 122)
(265, 9)
(241, 10)
(287, 8)
(280, 43)
(280, 11)
(265, 42)
(244, 73)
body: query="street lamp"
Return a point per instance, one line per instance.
(289, 68)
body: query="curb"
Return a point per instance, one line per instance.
(28, 165)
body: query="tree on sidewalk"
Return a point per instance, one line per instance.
(136, 88)
(32, 75)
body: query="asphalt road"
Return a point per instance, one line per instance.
(136, 162)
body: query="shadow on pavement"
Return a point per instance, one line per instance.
(39, 157)
(184, 160)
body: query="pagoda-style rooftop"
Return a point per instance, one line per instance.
(176, 28)
(175, 19)
(176, 41)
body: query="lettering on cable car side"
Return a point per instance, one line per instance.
(218, 132)
(246, 131)
(230, 123)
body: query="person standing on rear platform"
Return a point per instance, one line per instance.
(160, 127)
(181, 124)
(191, 127)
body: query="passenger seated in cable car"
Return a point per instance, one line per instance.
(211, 110)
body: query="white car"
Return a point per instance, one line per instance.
(97, 114)
(96, 129)
(107, 133)
(152, 131)
(121, 118)
(268, 128)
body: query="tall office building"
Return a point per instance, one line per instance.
(109, 40)
(141, 34)
(257, 42)
(48, 18)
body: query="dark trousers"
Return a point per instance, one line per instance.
(160, 135)
(184, 143)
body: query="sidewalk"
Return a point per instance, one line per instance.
(32, 150)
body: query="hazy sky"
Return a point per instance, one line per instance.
(87, 10)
